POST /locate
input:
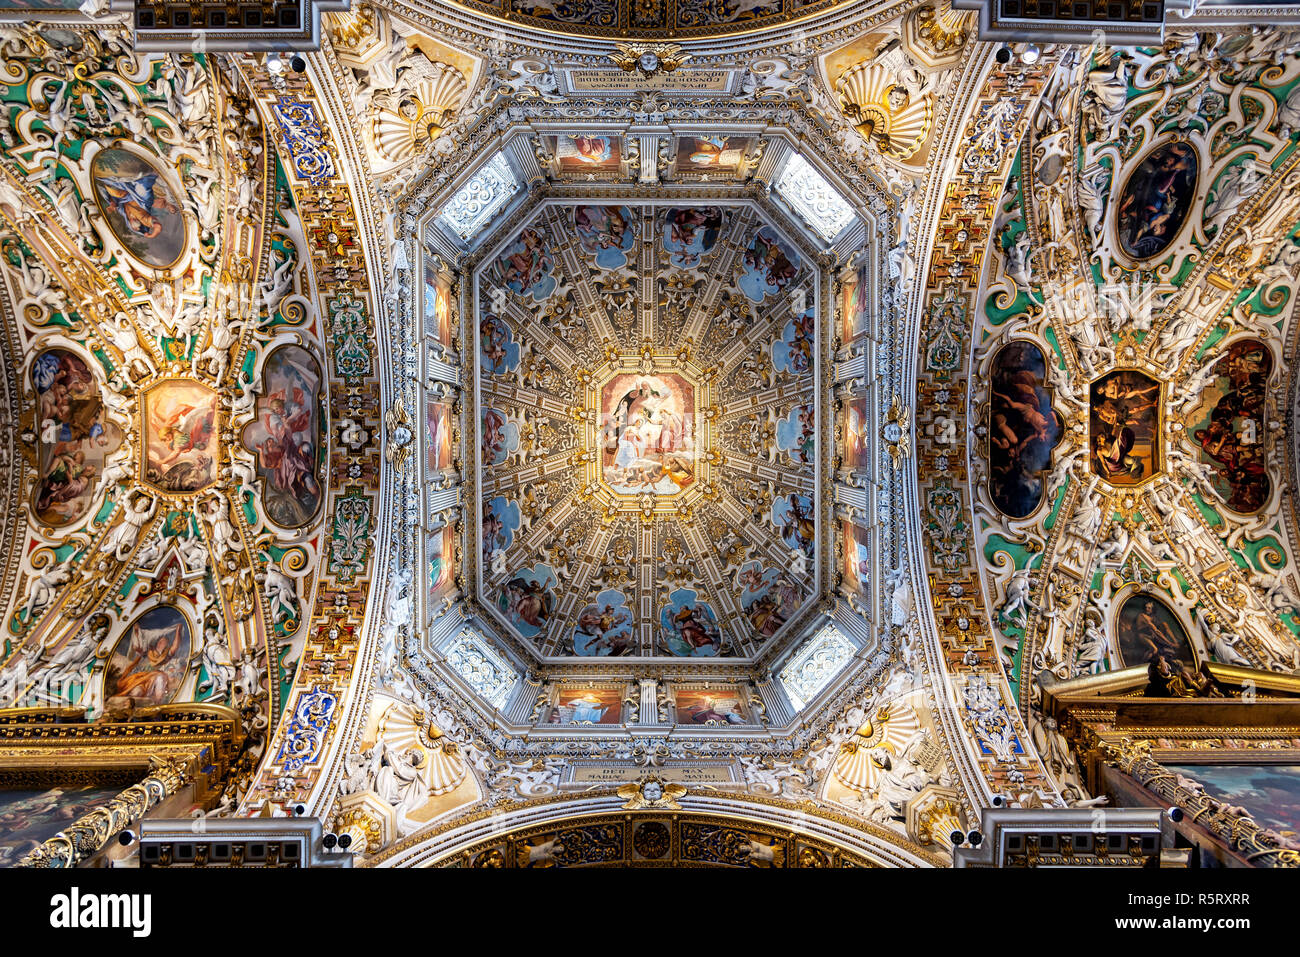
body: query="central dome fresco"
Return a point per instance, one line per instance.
(648, 434)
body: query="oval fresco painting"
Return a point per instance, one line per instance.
(75, 437)
(141, 209)
(1147, 629)
(1023, 429)
(286, 436)
(1156, 200)
(150, 661)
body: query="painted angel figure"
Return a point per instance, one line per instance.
(135, 199)
(186, 429)
(149, 673)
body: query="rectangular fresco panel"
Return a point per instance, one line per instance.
(713, 155)
(286, 436)
(648, 433)
(855, 434)
(440, 554)
(588, 706)
(438, 435)
(437, 302)
(181, 436)
(75, 436)
(588, 153)
(857, 559)
(851, 308)
(711, 706)
(1230, 431)
(1125, 422)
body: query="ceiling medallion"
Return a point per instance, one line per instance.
(648, 435)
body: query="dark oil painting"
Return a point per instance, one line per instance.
(1146, 628)
(1023, 429)
(1156, 200)
(1125, 422)
(1231, 433)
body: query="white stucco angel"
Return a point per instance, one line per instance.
(15, 677)
(1105, 95)
(216, 659)
(1275, 590)
(1235, 186)
(122, 334)
(280, 592)
(901, 778)
(215, 357)
(1017, 602)
(1113, 548)
(278, 284)
(399, 780)
(121, 538)
(1222, 644)
(244, 400)
(70, 662)
(900, 595)
(225, 537)
(44, 588)
(242, 473)
(35, 286)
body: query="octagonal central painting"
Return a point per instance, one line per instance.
(649, 431)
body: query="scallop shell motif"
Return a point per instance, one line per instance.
(864, 96)
(889, 728)
(405, 727)
(406, 125)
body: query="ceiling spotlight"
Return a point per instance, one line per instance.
(298, 63)
(1030, 54)
(1003, 54)
(274, 64)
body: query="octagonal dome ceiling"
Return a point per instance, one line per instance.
(667, 19)
(649, 441)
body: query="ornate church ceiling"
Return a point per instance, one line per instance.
(751, 430)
